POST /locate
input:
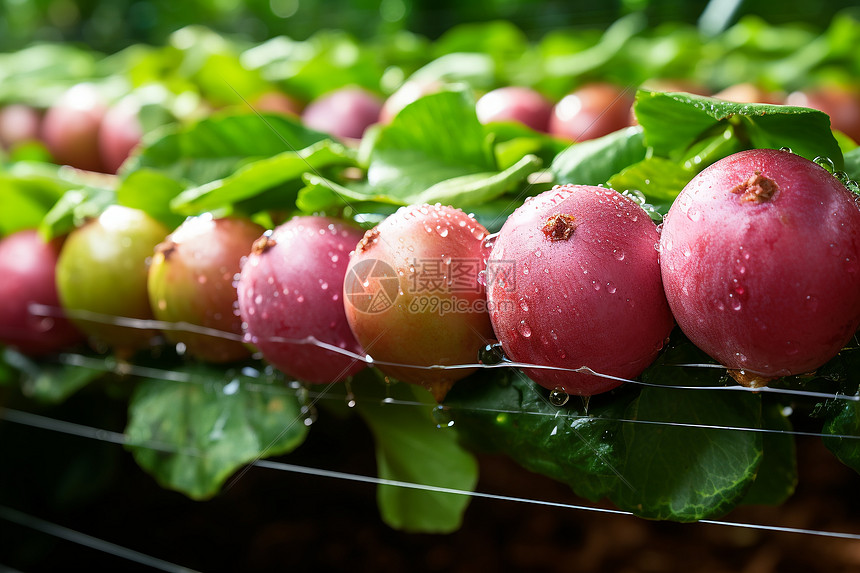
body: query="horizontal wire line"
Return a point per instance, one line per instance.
(67, 534)
(35, 420)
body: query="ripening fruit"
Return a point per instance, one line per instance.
(515, 103)
(413, 296)
(70, 128)
(760, 255)
(120, 133)
(191, 280)
(102, 274)
(748, 93)
(290, 289)
(591, 111)
(344, 113)
(841, 103)
(27, 271)
(19, 123)
(277, 102)
(575, 283)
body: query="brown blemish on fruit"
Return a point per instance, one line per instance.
(750, 379)
(263, 244)
(367, 240)
(559, 227)
(757, 189)
(165, 249)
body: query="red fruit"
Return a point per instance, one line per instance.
(840, 103)
(19, 123)
(120, 133)
(760, 255)
(192, 278)
(515, 103)
(344, 113)
(101, 275)
(748, 93)
(27, 271)
(413, 296)
(291, 288)
(591, 111)
(277, 102)
(574, 280)
(70, 128)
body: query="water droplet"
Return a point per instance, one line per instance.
(538, 253)
(524, 329)
(258, 299)
(443, 231)
(610, 287)
(595, 285)
(825, 162)
(786, 149)
(558, 396)
(618, 254)
(524, 305)
(442, 417)
(491, 353)
(734, 302)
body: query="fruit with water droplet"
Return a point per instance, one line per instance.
(290, 288)
(102, 269)
(571, 323)
(27, 276)
(776, 231)
(191, 280)
(413, 298)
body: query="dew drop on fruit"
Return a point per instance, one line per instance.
(618, 254)
(786, 149)
(524, 305)
(524, 329)
(610, 287)
(558, 396)
(825, 162)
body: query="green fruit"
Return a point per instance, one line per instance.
(191, 281)
(101, 276)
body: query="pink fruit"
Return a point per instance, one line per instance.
(842, 104)
(27, 270)
(70, 128)
(120, 133)
(277, 102)
(591, 111)
(413, 297)
(192, 278)
(344, 113)
(19, 123)
(290, 289)
(760, 255)
(515, 103)
(574, 281)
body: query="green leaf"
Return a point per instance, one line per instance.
(48, 382)
(261, 175)
(477, 188)
(26, 199)
(842, 432)
(690, 452)
(852, 164)
(215, 147)
(438, 130)
(476, 70)
(658, 179)
(320, 194)
(777, 474)
(411, 448)
(503, 411)
(193, 433)
(595, 161)
(672, 122)
(151, 191)
(74, 207)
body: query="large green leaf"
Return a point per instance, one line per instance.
(777, 474)
(215, 147)
(26, 198)
(672, 122)
(595, 161)
(411, 448)
(193, 431)
(259, 176)
(503, 411)
(151, 191)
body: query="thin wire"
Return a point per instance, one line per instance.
(61, 532)
(96, 433)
